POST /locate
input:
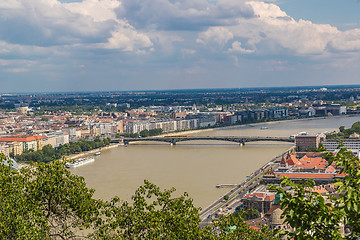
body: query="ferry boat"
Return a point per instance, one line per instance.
(298, 134)
(97, 153)
(79, 162)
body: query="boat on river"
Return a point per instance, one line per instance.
(79, 162)
(97, 153)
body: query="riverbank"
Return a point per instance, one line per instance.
(75, 156)
(82, 154)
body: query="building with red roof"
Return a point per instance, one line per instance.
(260, 199)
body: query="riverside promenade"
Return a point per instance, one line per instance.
(235, 194)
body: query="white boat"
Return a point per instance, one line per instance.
(97, 153)
(263, 128)
(79, 162)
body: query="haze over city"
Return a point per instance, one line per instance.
(101, 45)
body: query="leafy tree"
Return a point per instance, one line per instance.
(233, 227)
(106, 141)
(321, 148)
(156, 131)
(356, 127)
(251, 213)
(44, 201)
(144, 133)
(154, 214)
(341, 128)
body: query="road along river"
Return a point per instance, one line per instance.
(195, 167)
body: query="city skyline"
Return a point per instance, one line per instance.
(110, 45)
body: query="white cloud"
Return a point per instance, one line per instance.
(217, 35)
(127, 39)
(236, 47)
(52, 23)
(16, 70)
(98, 10)
(346, 41)
(181, 15)
(272, 31)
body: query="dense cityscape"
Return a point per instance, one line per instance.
(56, 119)
(48, 127)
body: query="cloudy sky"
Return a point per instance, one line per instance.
(101, 45)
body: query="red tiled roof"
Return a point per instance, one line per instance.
(261, 195)
(306, 162)
(253, 227)
(291, 160)
(21, 138)
(330, 169)
(269, 197)
(17, 139)
(272, 208)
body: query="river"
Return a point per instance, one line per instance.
(195, 167)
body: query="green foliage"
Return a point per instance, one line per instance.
(313, 216)
(342, 128)
(155, 132)
(132, 135)
(321, 148)
(233, 227)
(47, 153)
(44, 201)
(345, 132)
(356, 127)
(226, 197)
(152, 132)
(154, 214)
(251, 213)
(144, 133)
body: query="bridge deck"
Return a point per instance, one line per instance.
(174, 139)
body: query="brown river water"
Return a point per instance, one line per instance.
(195, 167)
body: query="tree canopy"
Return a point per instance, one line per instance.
(345, 132)
(48, 153)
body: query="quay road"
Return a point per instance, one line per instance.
(237, 193)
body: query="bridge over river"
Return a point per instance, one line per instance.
(175, 139)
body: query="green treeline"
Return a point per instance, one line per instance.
(48, 153)
(345, 132)
(152, 132)
(145, 133)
